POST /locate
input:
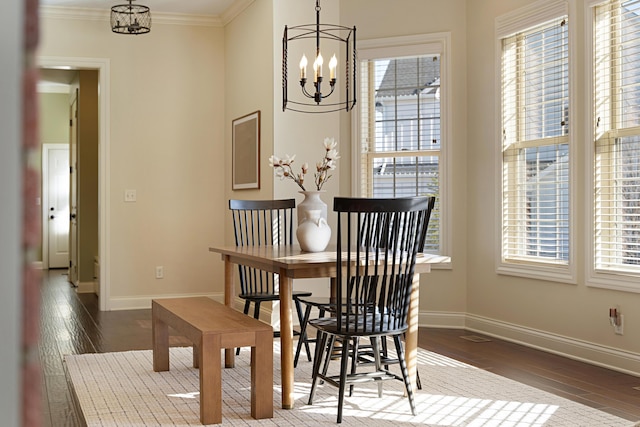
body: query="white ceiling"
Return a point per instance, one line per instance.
(194, 7)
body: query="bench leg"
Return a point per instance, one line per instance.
(262, 376)
(196, 354)
(210, 380)
(160, 336)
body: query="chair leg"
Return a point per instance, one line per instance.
(303, 336)
(354, 360)
(375, 345)
(405, 372)
(343, 377)
(256, 310)
(385, 353)
(322, 341)
(245, 311)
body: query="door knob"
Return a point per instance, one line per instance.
(52, 208)
(52, 216)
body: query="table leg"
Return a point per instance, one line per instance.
(286, 339)
(411, 337)
(229, 295)
(160, 338)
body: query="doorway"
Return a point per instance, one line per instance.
(101, 66)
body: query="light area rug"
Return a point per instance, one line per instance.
(121, 389)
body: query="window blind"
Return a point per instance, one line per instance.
(617, 136)
(535, 146)
(400, 131)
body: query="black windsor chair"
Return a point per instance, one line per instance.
(323, 305)
(258, 223)
(380, 239)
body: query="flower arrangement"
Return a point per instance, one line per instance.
(283, 167)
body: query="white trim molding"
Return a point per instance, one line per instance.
(102, 65)
(583, 351)
(104, 15)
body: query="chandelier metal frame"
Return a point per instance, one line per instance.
(132, 19)
(314, 100)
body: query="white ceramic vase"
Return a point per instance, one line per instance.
(312, 201)
(313, 232)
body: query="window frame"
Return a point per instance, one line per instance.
(615, 279)
(507, 25)
(396, 47)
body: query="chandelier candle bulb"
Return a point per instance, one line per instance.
(303, 67)
(332, 67)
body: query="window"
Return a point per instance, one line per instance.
(535, 147)
(616, 144)
(401, 124)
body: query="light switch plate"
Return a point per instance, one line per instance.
(129, 195)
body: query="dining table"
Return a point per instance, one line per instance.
(289, 262)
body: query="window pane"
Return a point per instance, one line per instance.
(547, 193)
(407, 102)
(618, 216)
(535, 111)
(617, 137)
(545, 75)
(403, 117)
(630, 64)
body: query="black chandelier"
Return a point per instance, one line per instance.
(130, 19)
(313, 100)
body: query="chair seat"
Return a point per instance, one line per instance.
(360, 329)
(272, 297)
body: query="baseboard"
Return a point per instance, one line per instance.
(144, 302)
(268, 314)
(431, 319)
(37, 265)
(86, 288)
(595, 354)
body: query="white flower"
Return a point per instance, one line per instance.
(332, 155)
(330, 143)
(283, 169)
(274, 161)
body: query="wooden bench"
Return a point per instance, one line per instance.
(211, 327)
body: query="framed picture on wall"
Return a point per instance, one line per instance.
(245, 162)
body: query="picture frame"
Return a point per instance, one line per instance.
(245, 147)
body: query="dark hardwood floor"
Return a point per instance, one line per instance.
(71, 323)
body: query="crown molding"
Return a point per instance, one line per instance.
(236, 8)
(86, 14)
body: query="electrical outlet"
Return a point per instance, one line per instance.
(618, 327)
(159, 272)
(130, 195)
(617, 320)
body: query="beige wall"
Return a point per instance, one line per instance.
(54, 118)
(165, 140)
(518, 307)
(248, 63)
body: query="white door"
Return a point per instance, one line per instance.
(73, 194)
(58, 206)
